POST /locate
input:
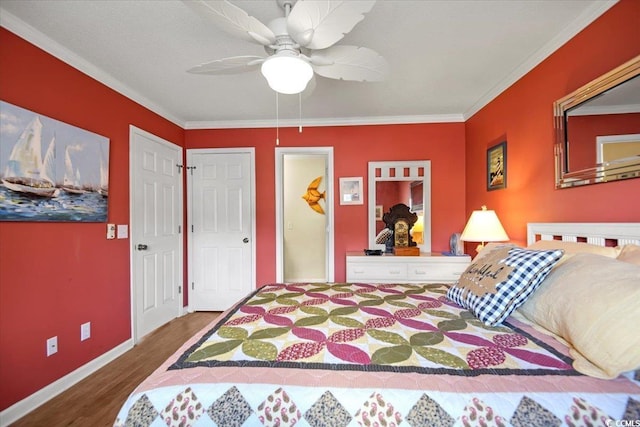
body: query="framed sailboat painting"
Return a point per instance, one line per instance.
(50, 170)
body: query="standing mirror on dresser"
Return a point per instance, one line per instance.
(598, 129)
(405, 182)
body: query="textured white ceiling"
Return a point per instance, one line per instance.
(447, 58)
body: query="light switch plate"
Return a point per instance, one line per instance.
(123, 231)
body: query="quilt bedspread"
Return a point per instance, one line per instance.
(362, 354)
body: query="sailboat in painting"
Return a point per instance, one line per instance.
(104, 179)
(71, 183)
(26, 172)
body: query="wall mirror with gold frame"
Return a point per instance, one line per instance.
(598, 129)
(407, 182)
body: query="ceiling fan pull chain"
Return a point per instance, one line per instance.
(277, 122)
(300, 112)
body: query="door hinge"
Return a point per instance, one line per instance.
(179, 229)
(179, 289)
(192, 228)
(193, 286)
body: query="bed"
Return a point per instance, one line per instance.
(348, 354)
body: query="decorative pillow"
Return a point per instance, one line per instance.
(490, 247)
(591, 301)
(499, 282)
(630, 253)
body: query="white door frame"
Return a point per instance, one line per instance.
(280, 153)
(135, 130)
(252, 154)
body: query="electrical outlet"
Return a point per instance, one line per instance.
(85, 331)
(52, 346)
(111, 231)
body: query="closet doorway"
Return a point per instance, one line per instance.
(304, 214)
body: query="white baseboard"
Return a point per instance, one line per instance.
(28, 404)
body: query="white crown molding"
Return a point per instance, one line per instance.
(574, 27)
(35, 37)
(334, 121)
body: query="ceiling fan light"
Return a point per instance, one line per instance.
(287, 74)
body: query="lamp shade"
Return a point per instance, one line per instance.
(287, 73)
(484, 226)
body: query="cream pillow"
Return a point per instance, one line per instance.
(591, 301)
(571, 248)
(630, 253)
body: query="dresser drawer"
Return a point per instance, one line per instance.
(376, 272)
(435, 272)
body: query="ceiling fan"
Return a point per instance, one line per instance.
(297, 45)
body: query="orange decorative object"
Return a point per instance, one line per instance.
(313, 196)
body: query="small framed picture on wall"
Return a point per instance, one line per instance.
(351, 191)
(497, 166)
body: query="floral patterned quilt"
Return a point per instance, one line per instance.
(363, 354)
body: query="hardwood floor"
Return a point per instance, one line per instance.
(95, 401)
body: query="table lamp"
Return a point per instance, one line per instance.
(483, 226)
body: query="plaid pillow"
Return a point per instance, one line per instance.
(501, 281)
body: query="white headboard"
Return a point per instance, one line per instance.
(595, 233)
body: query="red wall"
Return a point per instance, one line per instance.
(523, 116)
(56, 276)
(353, 148)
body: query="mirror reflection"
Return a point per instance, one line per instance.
(404, 182)
(390, 193)
(599, 129)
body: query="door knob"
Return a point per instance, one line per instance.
(142, 247)
(245, 240)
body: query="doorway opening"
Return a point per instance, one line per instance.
(304, 214)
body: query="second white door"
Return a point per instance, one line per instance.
(156, 220)
(222, 232)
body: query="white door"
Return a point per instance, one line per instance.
(221, 227)
(156, 235)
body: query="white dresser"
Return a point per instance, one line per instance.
(388, 268)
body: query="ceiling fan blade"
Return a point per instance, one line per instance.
(231, 65)
(318, 24)
(233, 20)
(349, 63)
